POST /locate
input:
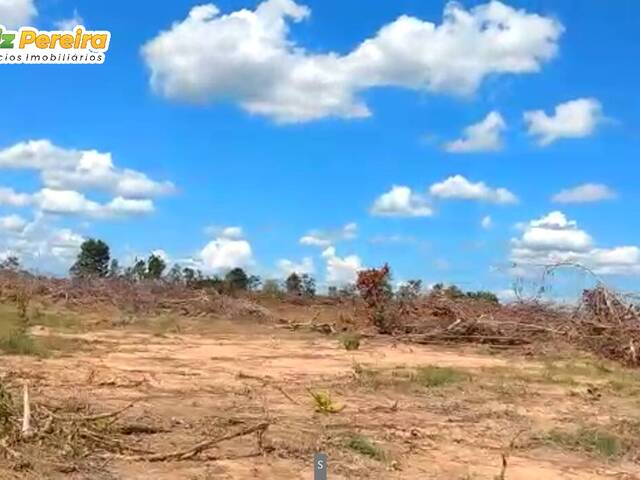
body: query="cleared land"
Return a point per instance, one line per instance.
(385, 410)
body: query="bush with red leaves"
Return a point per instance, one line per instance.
(375, 289)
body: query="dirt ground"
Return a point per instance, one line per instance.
(387, 410)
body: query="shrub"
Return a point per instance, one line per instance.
(484, 295)
(272, 288)
(324, 403)
(350, 341)
(375, 289)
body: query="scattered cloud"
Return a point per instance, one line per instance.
(554, 239)
(69, 169)
(233, 232)
(12, 223)
(11, 198)
(484, 136)
(287, 267)
(17, 13)
(401, 201)
(70, 202)
(458, 187)
(574, 119)
(586, 193)
(41, 246)
(70, 23)
(322, 238)
(341, 270)
(67, 173)
(486, 222)
(248, 56)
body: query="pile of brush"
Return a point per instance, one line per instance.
(121, 295)
(608, 323)
(604, 322)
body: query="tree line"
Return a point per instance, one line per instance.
(94, 261)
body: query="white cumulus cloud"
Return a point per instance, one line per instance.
(248, 56)
(17, 13)
(225, 253)
(484, 136)
(70, 202)
(458, 187)
(11, 198)
(69, 169)
(554, 239)
(586, 193)
(574, 119)
(341, 270)
(401, 201)
(287, 267)
(41, 246)
(12, 223)
(486, 222)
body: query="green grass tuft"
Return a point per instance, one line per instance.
(19, 342)
(432, 376)
(593, 440)
(324, 403)
(364, 446)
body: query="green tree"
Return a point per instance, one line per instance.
(189, 275)
(92, 260)
(254, 283)
(237, 279)
(175, 274)
(308, 285)
(11, 263)
(137, 271)
(484, 296)
(155, 267)
(293, 284)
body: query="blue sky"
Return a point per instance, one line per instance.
(285, 158)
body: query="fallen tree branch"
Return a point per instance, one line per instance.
(89, 418)
(196, 449)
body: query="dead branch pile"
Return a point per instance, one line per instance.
(35, 437)
(605, 323)
(102, 295)
(609, 324)
(444, 320)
